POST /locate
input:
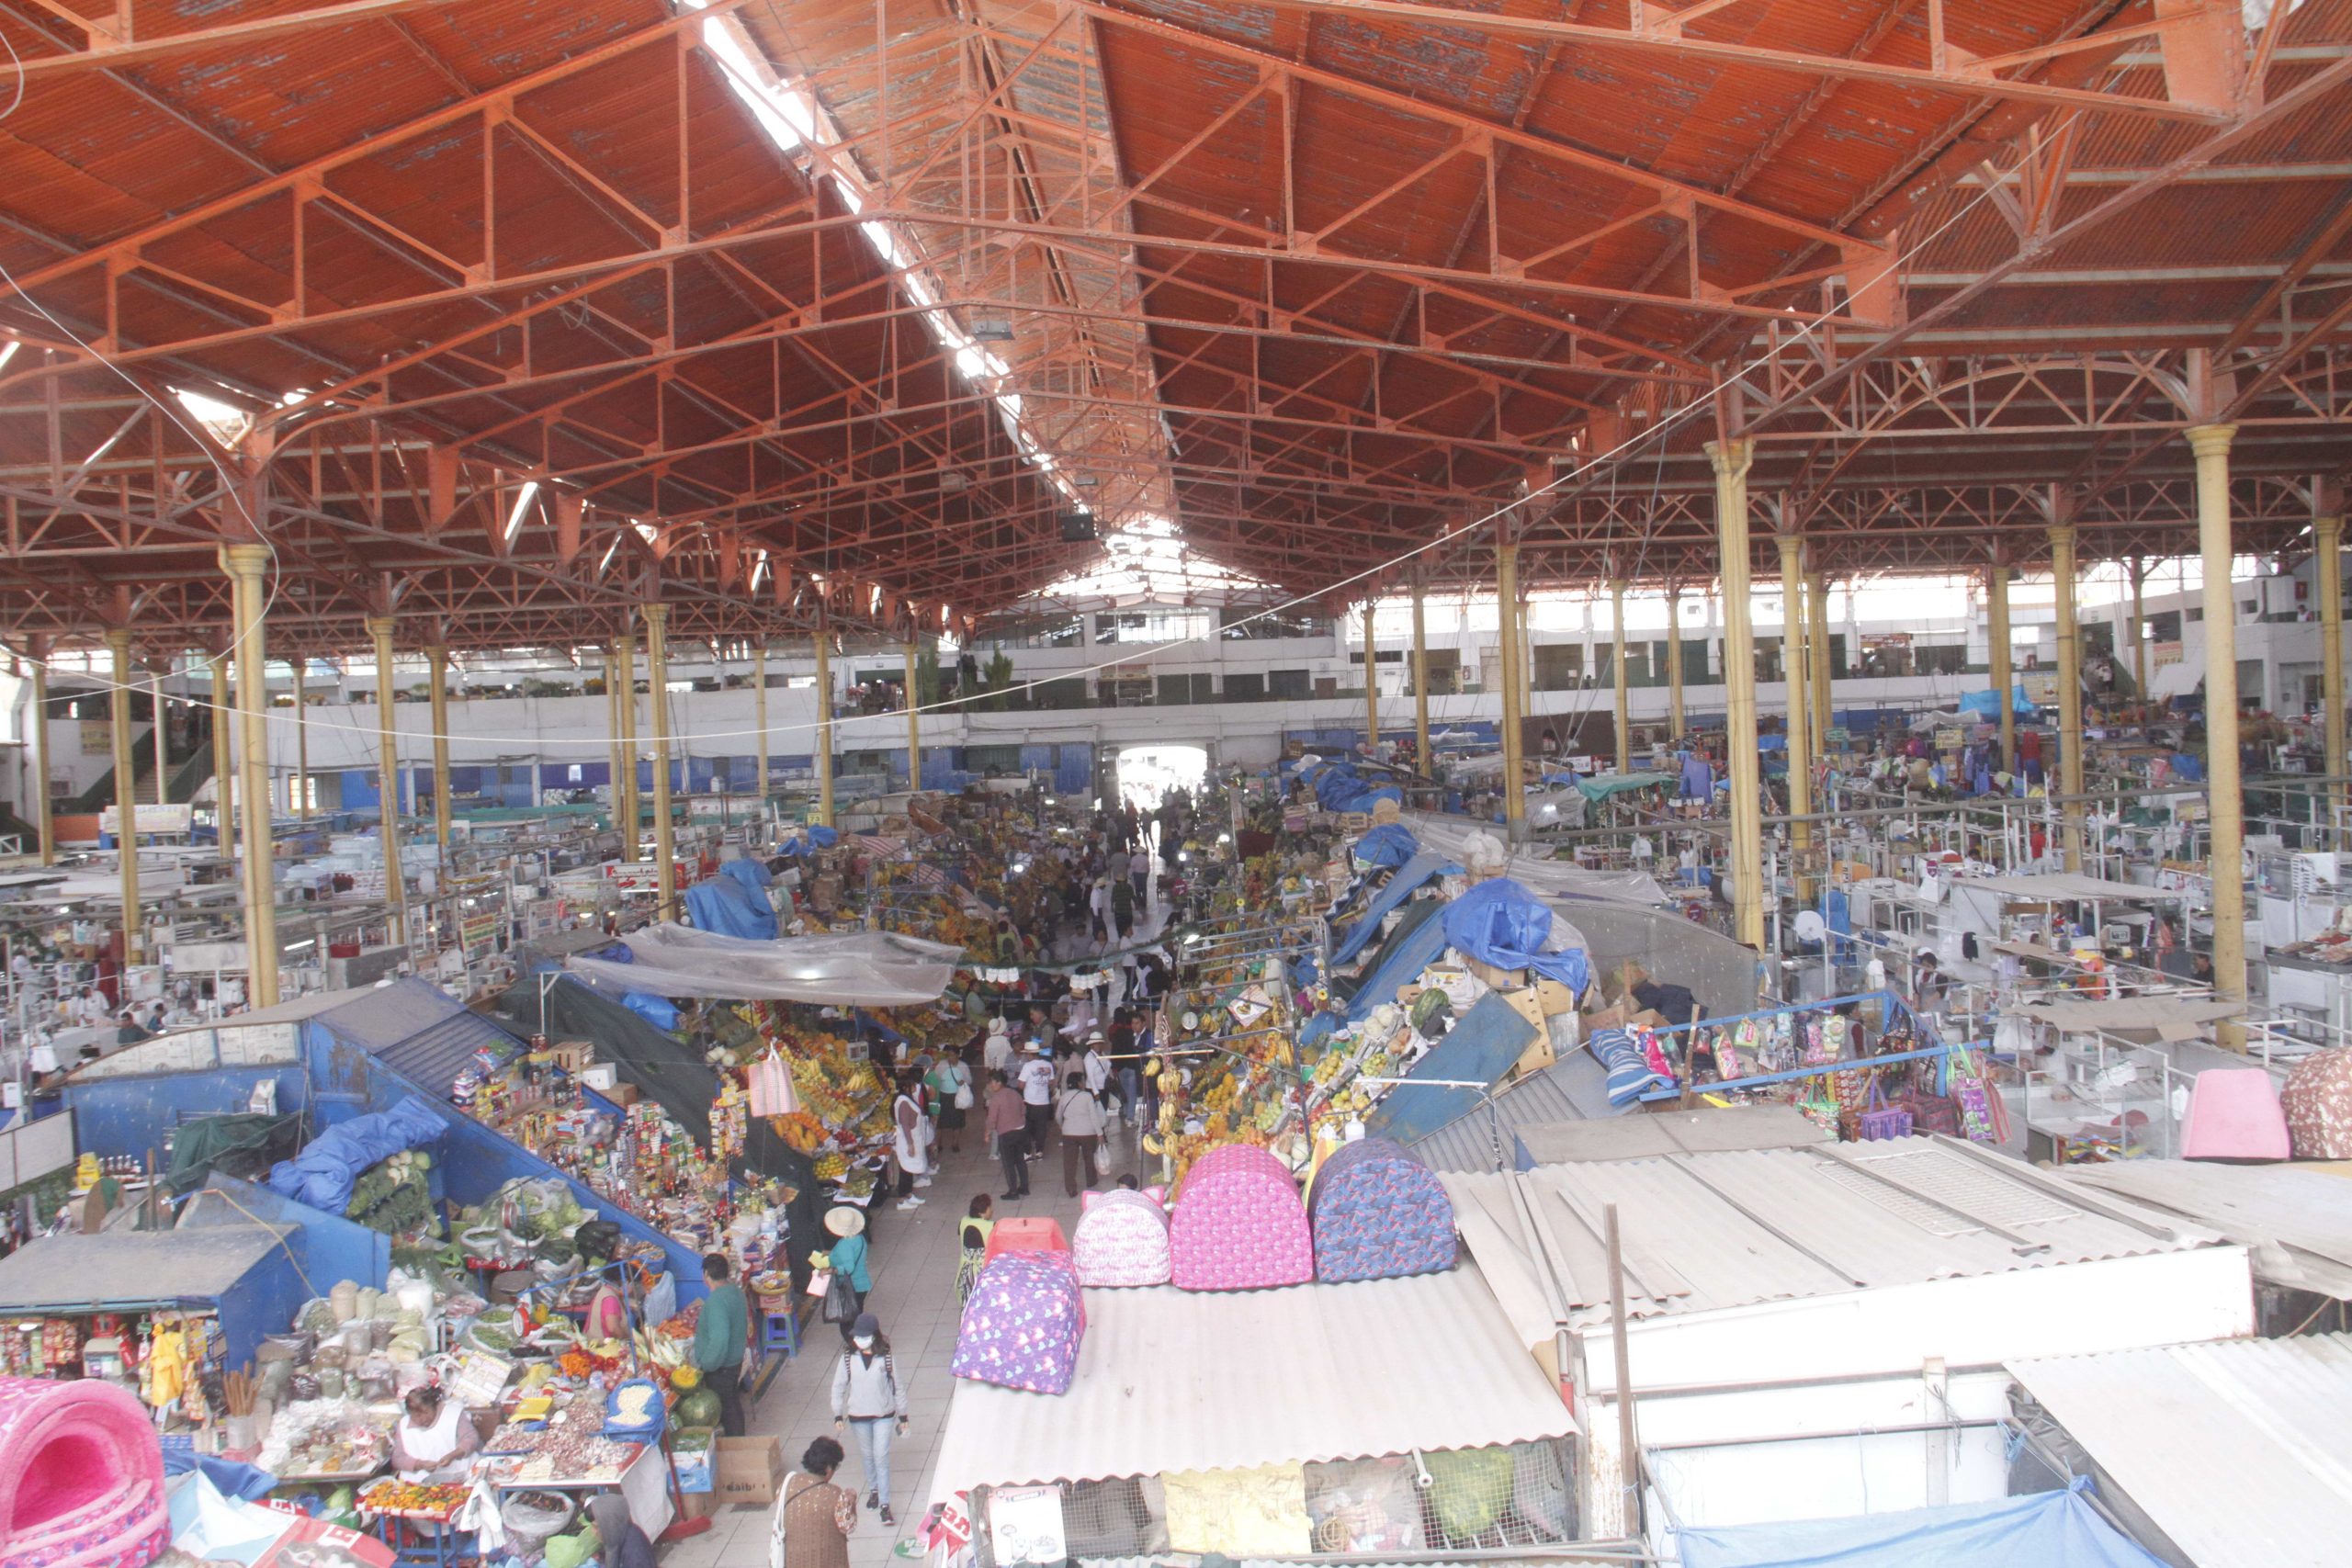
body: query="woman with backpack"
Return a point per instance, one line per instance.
(870, 1402)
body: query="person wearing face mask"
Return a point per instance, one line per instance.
(870, 1400)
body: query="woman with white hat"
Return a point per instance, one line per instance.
(846, 1298)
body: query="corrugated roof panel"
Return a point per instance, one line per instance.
(1383, 1367)
(432, 1057)
(383, 1016)
(1570, 1091)
(2241, 1451)
(2298, 1222)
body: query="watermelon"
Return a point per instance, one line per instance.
(699, 1408)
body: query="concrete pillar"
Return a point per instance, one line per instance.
(1996, 633)
(1816, 647)
(1420, 682)
(1370, 677)
(914, 721)
(1617, 675)
(388, 775)
(2327, 586)
(437, 663)
(657, 686)
(159, 733)
(225, 752)
(1514, 707)
(759, 720)
(2225, 809)
(1731, 460)
(44, 809)
(1792, 665)
(824, 722)
(126, 796)
(300, 665)
(1674, 662)
(625, 653)
(613, 735)
(2070, 694)
(248, 566)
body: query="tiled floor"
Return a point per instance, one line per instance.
(914, 1295)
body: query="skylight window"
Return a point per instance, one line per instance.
(225, 423)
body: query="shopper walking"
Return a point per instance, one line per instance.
(851, 1283)
(722, 1333)
(951, 1093)
(1037, 1099)
(1081, 1116)
(973, 1255)
(814, 1519)
(870, 1402)
(1009, 1124)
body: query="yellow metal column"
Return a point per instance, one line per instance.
(388, 778)
(1617, 675)
(1792, 665)
(1514, 703)
(1371, 678)
(1816, 647)
(914, 722)
(624, 652)
(824, 722)
(159, 732)
(1420, 682)
(1674, 663)
(1996, 636)
(2070, 694)
(759, 719)
(2327, 585)
(2138, 569)
(301, 739)
(2225, 805)
(247, 565)
(126, 797)
(1731, 460)
(657, 686)
(613, 736)
(45, 818)
(437, 662)
(225, 752)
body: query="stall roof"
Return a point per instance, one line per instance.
(1714, 1230)
(2070, 886)
(857, 968)
(121, 1268)
(1191, 1380)
(2236, 1449)
(2168, 1018)
(1706, 1131)
(1567, 1093)
(2295, 1221)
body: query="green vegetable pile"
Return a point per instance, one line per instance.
(393, 1197)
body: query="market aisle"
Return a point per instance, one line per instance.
(914, 1295)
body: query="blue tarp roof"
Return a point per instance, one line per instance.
(1394, 891)
(2045, 1529)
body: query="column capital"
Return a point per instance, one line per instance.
(2210, 440)
(1617, 586)
(246, 560)
(2328, 528)
(1792, 548)
(1732, 456)
(119, 639)
(2062, 537)
(657, 615)
(381, 625)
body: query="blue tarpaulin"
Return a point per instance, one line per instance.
(752, 873)
(1500, 922)
(1411, 948)
(658, 1012)
(732, 907)
(1340, 788)
(1391, 843)
(1393, 892)
(2045, 1529)
(816, 836)
(1486, 1043)
(1988, 703)
(321, 1174)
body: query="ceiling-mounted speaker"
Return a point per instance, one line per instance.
(1077, 528)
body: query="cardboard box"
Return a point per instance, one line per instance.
(1554, 998)
(1496, 980)
(748, 1471)
(697, 1504)
(690, 1456)
(1522, 1002)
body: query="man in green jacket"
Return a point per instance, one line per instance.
(721, 1333)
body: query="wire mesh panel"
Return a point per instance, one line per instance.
(1454, 1500)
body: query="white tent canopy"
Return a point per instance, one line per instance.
(1550, 879)
(854, 969)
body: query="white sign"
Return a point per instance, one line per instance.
(1025, 1524)
(151, 819)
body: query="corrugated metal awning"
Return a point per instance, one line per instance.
(2237, 1450)
(1187, 1380)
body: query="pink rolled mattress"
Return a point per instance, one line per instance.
(1239, 1224)
(81, 1478)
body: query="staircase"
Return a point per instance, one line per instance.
(191, 765)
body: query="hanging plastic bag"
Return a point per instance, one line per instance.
(771, 1086)
(480, 1516)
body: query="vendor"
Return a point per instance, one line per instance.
(433, 1437)
(619, 1542)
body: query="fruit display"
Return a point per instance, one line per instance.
(394, 1498)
